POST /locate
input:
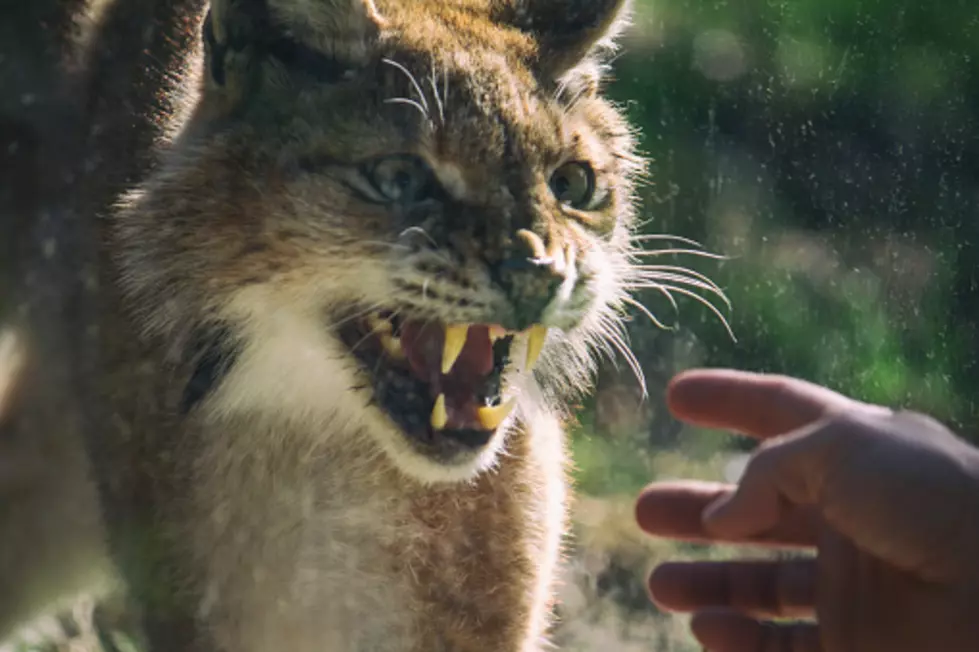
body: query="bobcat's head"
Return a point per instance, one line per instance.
(396, 209)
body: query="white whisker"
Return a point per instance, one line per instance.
(561, 87)
(414, 83)
(666, 236)
(419, 230)
(410, 102)
(600, 340)
(645, 269)
(665, 283)
(710, 306)
(672, 252)
(683, 279)
(365, 338)
(646, 311)
(659, 287)
(445, 86)
(435, 94)
(616, 336)
(656, 281)
(573, 103)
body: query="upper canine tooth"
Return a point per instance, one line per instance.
(535, 342)
(455, 339)
(439, 414)
(490, 417)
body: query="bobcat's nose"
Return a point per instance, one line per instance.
(536, 277)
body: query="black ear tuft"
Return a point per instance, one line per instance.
(215, 52)
(234, 32)
(567, 31)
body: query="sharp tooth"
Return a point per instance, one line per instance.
(378, 324)
(392, 346)
(455, 339)
(439, 414)
(535, 342)
(491, 417)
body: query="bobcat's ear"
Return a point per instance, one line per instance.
(323, 38)
(567, 31)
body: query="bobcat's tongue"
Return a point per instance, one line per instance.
(455, 383)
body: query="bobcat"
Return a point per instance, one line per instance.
(339, 322)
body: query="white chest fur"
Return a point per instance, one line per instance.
(315, 542)
(306, 552)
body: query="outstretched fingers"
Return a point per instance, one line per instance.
(759, 405)
(764, 589)
(722, 630)
(675, 510)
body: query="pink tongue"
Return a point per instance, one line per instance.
(423, 343)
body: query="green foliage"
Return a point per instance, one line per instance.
(825, 147)
(609, 467)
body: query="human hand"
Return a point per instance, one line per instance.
(11, 368)
(888, 500)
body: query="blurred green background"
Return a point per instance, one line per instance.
(829, 149)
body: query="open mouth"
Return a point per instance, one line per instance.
(442, 384)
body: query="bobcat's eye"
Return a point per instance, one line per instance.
(574, 184)
(402, 179)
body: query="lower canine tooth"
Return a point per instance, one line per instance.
(439, 414)
(490, 417)
(535, 342)
(379, 324)
(455, 340)
(392, 346)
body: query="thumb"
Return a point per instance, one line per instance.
(785, 471)
(866, 473)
